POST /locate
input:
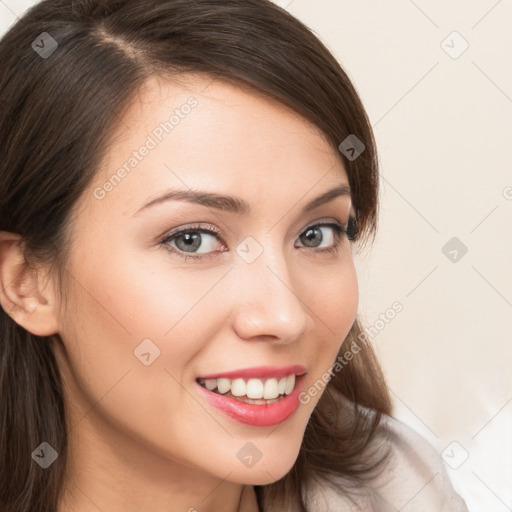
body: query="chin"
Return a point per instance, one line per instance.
(267, 470)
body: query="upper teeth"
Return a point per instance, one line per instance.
(267, 389)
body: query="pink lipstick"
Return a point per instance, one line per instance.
(261, 397)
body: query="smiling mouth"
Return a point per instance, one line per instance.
(253, 390)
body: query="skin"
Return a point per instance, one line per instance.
(142, 437)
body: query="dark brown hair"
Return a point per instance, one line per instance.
(57, 113)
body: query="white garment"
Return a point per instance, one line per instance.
(414, 480)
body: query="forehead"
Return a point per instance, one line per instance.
(195, 132)
(226, 106)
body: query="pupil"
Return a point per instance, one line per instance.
(310, 235)
(192, 241)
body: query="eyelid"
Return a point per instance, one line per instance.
(198, 226)
(323, 220)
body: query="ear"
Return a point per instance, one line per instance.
(21, 289)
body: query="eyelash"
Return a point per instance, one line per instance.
(339, 232)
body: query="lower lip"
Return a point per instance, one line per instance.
(264, 415)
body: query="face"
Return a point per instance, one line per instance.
(180, 308)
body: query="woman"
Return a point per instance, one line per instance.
(183, 182)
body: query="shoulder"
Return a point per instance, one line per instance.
(413, 479)
(416, 477)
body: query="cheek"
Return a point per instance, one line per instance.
(334, 307)
(132, 337)
(132, 297)
(113, 307)
(333, 300)
(126, 305)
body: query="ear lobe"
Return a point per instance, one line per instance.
(20, 294)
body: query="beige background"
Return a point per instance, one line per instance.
(443, 123)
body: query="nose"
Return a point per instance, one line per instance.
(267, 301)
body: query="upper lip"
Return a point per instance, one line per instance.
(259, 372)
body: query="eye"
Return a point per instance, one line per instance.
(192, 241)
(322, 236)
(198, 242)
(195, 241)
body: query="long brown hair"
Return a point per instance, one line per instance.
(58, 109)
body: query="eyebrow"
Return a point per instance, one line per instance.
(233, 204)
